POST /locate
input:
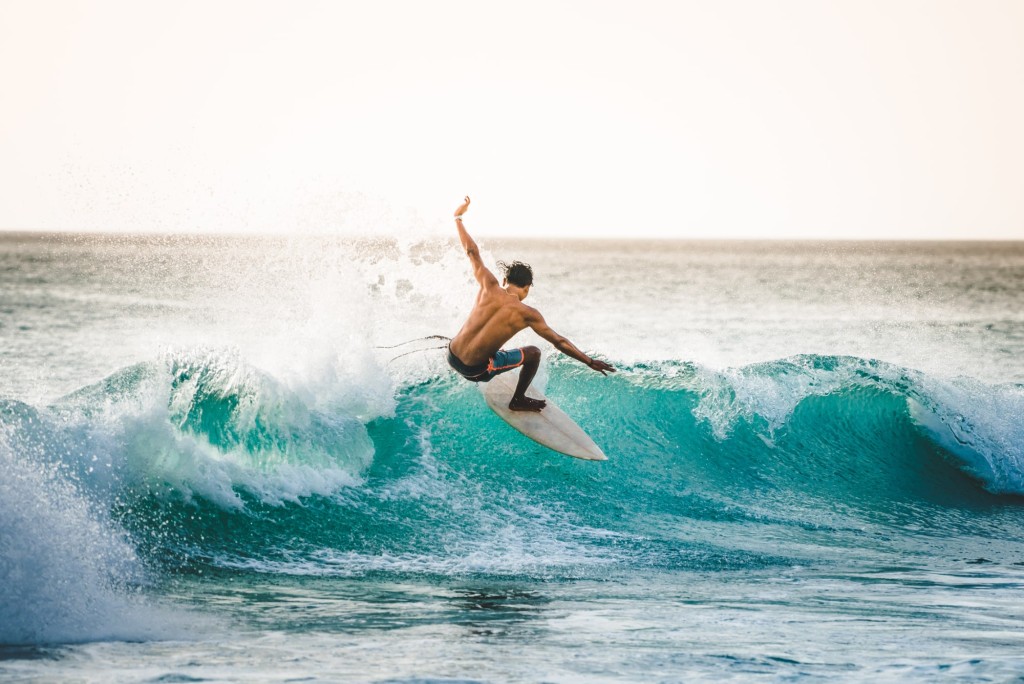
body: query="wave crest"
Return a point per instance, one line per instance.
(981, 426)
(205, 423)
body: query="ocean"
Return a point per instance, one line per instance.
(212, 469)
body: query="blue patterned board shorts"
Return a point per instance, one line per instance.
(503, 361)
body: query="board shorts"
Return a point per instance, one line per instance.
(503, 361)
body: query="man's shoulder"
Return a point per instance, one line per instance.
(528, 312)
(510, 306)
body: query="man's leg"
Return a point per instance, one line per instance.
(521, 402)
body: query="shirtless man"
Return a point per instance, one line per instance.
(499, 313)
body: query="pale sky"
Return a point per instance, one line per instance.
(686, 119)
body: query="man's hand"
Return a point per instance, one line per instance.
(600, 366)
(462, 208)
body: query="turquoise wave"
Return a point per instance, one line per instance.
(207, 463)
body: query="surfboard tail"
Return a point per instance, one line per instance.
(550, 427)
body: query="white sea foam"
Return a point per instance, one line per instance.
(66, 571)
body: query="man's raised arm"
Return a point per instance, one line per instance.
(480, 272)
(562, 344)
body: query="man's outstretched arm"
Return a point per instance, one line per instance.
(480, 272)
(562, 344)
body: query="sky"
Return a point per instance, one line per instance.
(686, 119)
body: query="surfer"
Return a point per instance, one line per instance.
(498, 314)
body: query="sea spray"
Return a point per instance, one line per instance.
(67, 572)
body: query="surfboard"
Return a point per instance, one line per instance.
(551, 427)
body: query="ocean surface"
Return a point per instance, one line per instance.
(210, 471)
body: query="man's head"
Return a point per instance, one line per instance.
(518, 275)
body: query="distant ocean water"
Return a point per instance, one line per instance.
(210, 471)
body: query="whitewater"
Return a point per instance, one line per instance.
(211, 470)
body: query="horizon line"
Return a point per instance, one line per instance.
(599, 238)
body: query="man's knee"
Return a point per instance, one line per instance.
(531, 354)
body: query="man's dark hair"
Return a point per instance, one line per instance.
(517, 273)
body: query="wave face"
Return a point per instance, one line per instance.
(198, 461)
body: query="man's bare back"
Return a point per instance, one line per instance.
(498, 314)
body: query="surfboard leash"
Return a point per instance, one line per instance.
(418, 339)
(415, 351)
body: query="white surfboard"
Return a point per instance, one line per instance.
(551, 427)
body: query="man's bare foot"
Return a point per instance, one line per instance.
(526, 404)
